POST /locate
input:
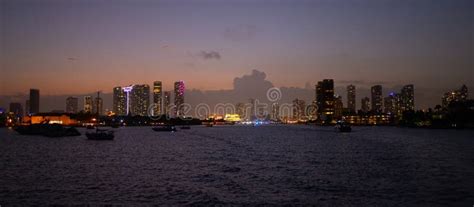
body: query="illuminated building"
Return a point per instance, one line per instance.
(88, 104)
(275, 112)
(179, 98)
(455, 96)
(72, 105)
(34, 101)
(299, 107)
(166, 102)
(376, 92)
(119, 101)
(16, 109)
(98, 106)
(392, 104)
(127, 91)
(407, 98)
(365, 104)
(338, 107)
(351, 98)
(325, 100)
(140, 100)
(51, 118)
(157, 98)
(232, 118)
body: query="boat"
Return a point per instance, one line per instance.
(209, 125)
(48, 130)
(100, 134)
(164, 128)
(343, 126)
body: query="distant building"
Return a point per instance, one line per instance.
(119, 101)
(241, 110)
(157, 98)
(299, 107)
(179, 98)
(34, 101)
(72, 105)
(27, 107)
(325, 100)
(16, 109)
(351, 98)
(392, 104)
(51, 118)
(275, 112)
(455, 96)
(88, 104)
(376, 93)
(140, 100)
(407, 98)
(98, 107)
(365, 104)
(338, 107)
(166, 102)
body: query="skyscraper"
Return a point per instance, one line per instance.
(157, 98)
(376, 92)
(72, 105)
(338, 107)
(275, 111)
(17, 109)
(407, 98)
(27, 107)
(98, 107)
(325, 99)
(299, 107)
(87, 104)
(365, 104)
(140, 100)
(179, 97)
(351, 98)
(455, 96)
(34, 101)
(392, 104)
(166, 102)
(119, 101)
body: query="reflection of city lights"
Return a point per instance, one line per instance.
(94, 119)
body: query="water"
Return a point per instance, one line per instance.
(240, 165)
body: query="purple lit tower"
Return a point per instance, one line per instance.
(179, 97)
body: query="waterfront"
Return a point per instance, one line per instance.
(242, 165)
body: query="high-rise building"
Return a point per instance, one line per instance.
(299, 107)
(72, 105)
(392, 104)
(365, 104)
(166, 102)
(275, 111)
(179, 98)
(376, 92)
(140, 100)
(98, 107)
(407, 98)
(157, 98)
(27, 107)
(34, 101)
(351, 98)
(338, 107)
(119, 101)
(17, 109)
(88, 104)
(325, 99)
(241, 111)
(455, 96)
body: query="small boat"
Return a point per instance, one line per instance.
(165, 128)
(100, 134)
(342, 126)
(185, 127)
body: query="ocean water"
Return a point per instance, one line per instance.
(242, 165)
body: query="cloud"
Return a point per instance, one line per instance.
(209, 55)
(240, 33)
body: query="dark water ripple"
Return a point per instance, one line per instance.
(268, 165)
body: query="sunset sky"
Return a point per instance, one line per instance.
(81, 46)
